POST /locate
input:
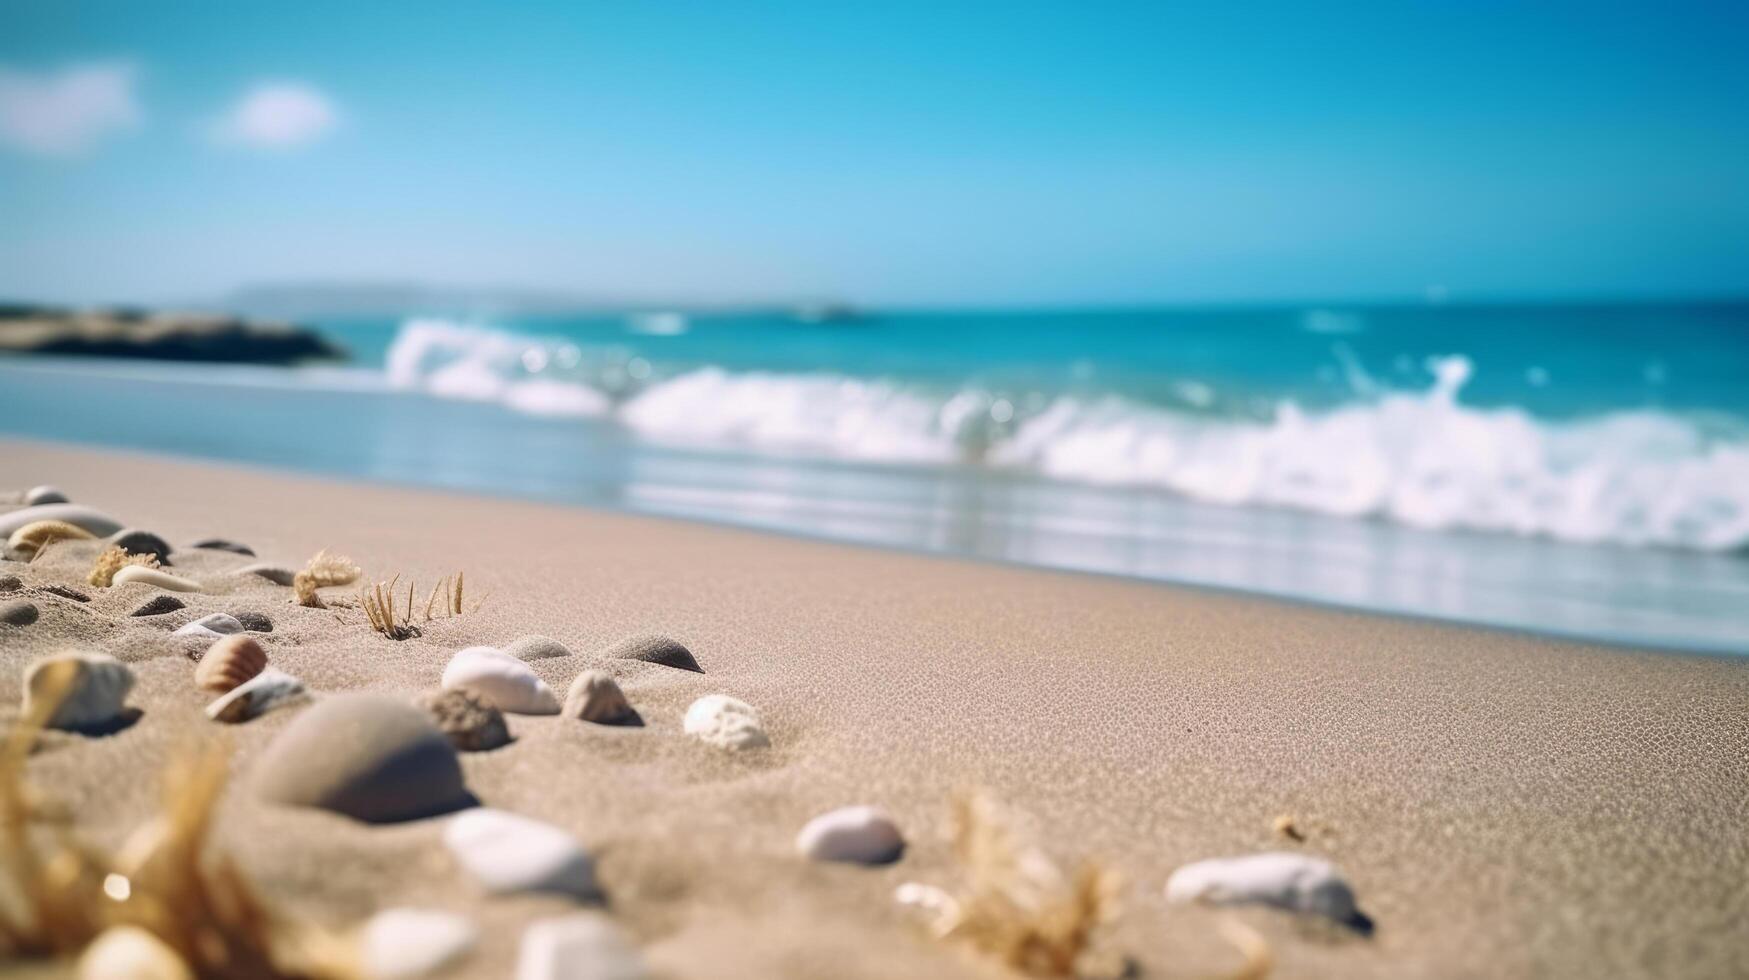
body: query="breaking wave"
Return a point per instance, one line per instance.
(1418, 458)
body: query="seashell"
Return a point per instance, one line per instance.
(18, 612)
(33, 537)
(211, 626)
(506, 853)
(269, 689)
(131, 953)
(276, 574)
(854, 834)
(94, 522)
(471, 723)
(137, 542)
(45, 494)
(370, 757)
(575, 947)
(402, 943)
(1296, 882)
(725, 722)
(155, 578)
(95, 686)
(228, 662)
(220, 544)
(595, 696)
(158, 605)
(536, 648)
(653, 648)
(501, 679)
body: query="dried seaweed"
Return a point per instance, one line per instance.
(114, 559)
(323, 571)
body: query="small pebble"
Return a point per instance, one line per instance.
(595, 696)
(131, 953)
(155, 578)
(1296, 882)
(94, 522)
(508, 853)
(254, 622)
(653, 648)
(725, 722)
(220, 544)
(18, 612)
(402, 943)
(158, 605)
(371, 757)
(470, 723)
(10, 583)
(94, 689)
(276, 574)
(853, 834)
(137, 542)
(272, 688)
(501, 679)
(211, 626)
(230, 661)
(66, 593)
(578, 947)
(45, 494)
(537, 648)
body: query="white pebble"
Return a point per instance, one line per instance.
(725, 722)
(856, 834)
(403, 943)
(131, 953)
(577, 947)
(155, 578)
(509, 853)
(1295, 882)
(211, 627)
(501, 679)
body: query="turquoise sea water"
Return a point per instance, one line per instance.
(1581, 470)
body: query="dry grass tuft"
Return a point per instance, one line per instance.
(58, 894)
(392, 618)
(113, 560)
(324, 570)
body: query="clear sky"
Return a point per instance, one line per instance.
(919, 154)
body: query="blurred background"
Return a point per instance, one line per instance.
(1434, 308)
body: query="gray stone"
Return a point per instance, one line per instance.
(66, 593)
(470, 722)
(10, 583)
(92, 688)
(158, 605)
(94, 521)
(211, 627)
(45, 494)
(595, 696)
(537, 648)
(367, 756)
(220, 544)
(18, 612)
(653, 648)
(254, 622)
(277, 574)
(272, 688)
(137, 542)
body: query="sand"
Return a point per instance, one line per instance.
(1505, 805)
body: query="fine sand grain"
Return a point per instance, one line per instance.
(1505, 806)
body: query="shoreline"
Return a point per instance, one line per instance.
(1505, 804)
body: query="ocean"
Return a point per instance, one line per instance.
(1579, 470)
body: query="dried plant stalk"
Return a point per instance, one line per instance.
(380, 609)
(113, 560)
(324, 570)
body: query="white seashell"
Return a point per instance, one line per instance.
(856, 834)
(725, 722)
(155, 578)
(45, 494)
(501, 679)
(509, 853)
(400, 944)
(273, 573)
(270, 689)
(97, 686)
(578, 947)
(131, 953)
(1295, 882)
(211, 627)
(931, 902)
(98, 523)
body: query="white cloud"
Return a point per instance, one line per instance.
(67, 112)
(278, 116)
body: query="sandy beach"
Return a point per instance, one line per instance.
(1504, 805)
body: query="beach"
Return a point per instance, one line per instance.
(1504, 805)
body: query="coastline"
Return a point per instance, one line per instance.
(1487, 792)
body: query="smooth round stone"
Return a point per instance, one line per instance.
(508, 853)
(270, 689)
(94, 522)
(1296, 882)
(220, 544)
(229, 662)
(853, 834)
(254, 622)
(501, 679)
(45, 494)
(18, 612)
(211, 626)
(725, 722)
(137, 542)
(277, 574)
(537, 648)
(595, 696)
(95, 687)
(367, 756)
(10, 583)
(653, 648)
(467, 720)
(131, 953)
(403, 943)
(158, 605)
(155, 578)
(578, 947)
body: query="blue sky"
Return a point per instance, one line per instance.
(916, 154)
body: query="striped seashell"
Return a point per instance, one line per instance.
(93, 688)
(154, 577)
(32, 537)
(229, 662)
